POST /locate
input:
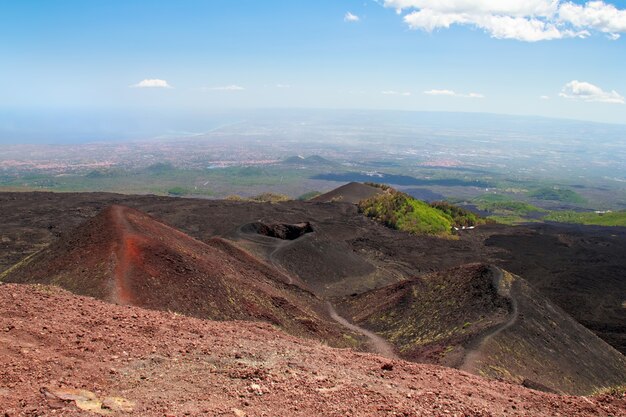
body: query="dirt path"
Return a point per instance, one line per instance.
(272, 257)
(125, 252)
(377, 343)
(273, 243)
(474, 354)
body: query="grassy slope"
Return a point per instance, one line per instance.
(402, 212)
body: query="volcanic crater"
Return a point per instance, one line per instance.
(279, 230)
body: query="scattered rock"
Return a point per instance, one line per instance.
(239, 413)
(256, 389)
(387, 366)
(118, 404)
(86, 400)
(71, 394)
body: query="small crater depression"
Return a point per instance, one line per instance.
(282, 231)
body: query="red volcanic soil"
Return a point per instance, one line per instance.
(59, 351)
(127, 257)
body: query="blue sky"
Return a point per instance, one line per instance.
(230, 54)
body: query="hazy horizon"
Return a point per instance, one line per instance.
(74, 126)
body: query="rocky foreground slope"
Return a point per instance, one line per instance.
(59, 352)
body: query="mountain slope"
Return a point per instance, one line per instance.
(492, 323)
(125, 256)
(349, 193)
(313, 160)
(154, 363)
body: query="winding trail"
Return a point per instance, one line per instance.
(281, 245)
(377, 343)
(271, 242)
(474, 354)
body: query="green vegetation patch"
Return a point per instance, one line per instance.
(459, 215)
(513, 207)
(615, 218)
(261, 198)
(402, 212)
(491, 198)
(503, 205)
(160, 168)
(557, 194)
(178, 191)
(511, 219)
(270, 198)
(384, 187)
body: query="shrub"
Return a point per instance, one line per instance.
(459, 215)
(177, 191)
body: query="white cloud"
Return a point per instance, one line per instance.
(395, 93)
(544, 97)
(452, 93)
(151, 83)
(232, 87)
(283, 86)
(440, 93)
(595, 15)
(529, 20)
(584, 91)
(349, 17)
(504, 7)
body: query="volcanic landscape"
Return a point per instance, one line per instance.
(146, 305)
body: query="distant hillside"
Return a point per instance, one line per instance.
(615, 218)
(125, 256)
(309, 160)
(350, 193)
(557, 194)
(400, 180)
(492, 323)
